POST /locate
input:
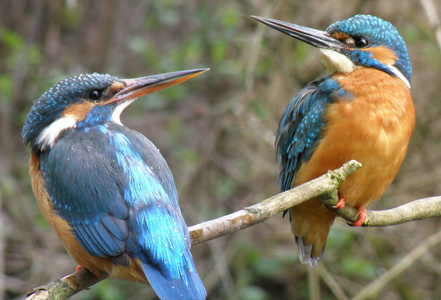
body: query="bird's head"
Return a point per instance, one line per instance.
(360, 41)
(87, 100)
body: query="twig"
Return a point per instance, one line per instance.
(314, 284)
(430, 10)
(332, 283)
(375, 286)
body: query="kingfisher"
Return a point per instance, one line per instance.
(105, 189)
(361, 110)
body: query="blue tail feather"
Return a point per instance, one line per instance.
(188, 286)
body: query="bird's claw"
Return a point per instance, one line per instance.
(362, 214)
(78, 268)
(340, 204)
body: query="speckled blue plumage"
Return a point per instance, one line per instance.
(52, 103)
(114, 188)
(379, 33)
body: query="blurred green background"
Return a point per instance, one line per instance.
(217, 133)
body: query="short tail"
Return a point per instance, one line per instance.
(188, 286)
(305, 254)
(310, 223)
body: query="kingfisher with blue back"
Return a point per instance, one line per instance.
(105, 189)
(362, 110)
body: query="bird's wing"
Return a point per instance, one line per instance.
(85, 184)
(300, 127)
(117, 192)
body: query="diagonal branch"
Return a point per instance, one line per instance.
(65, 287)
(372, 289)
(324, 187)
(326, 184)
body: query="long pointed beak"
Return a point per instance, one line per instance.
(138, 87)
(316, 38)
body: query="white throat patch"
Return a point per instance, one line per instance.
(337, 62)
(119, 109)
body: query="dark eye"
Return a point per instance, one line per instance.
(95, 95)
(361, 42)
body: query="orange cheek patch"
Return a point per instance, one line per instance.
(116, 87)
(383, 55)
(340, 36)
(78, 111)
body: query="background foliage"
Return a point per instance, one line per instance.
(216, 131)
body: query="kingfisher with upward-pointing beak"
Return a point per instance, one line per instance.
(105, 189)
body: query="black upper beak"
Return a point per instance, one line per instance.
(138, 87)
(316, 38)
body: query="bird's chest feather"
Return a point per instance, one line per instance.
(373, 126)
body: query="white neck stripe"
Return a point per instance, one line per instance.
(399, 75)
(48, 136)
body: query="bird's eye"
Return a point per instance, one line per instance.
(95, 95)
(361, 42)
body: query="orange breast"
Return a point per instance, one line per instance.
(373, 128)
(64, 232)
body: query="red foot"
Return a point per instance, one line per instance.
(96, 273)
(341, 203)
(361, 218)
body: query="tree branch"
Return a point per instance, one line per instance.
(324, 187)
(416, 210)
(65, 287)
